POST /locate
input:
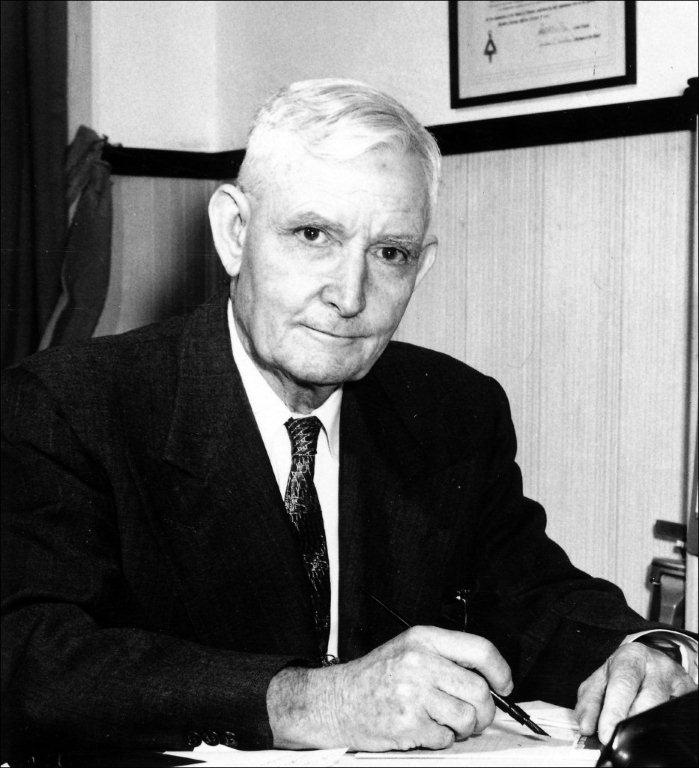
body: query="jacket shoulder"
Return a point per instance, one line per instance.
(92, 374)
(128, 347)
(439, 398)
(435, 375)
(448, 407)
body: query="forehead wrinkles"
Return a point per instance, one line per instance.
(348, 192)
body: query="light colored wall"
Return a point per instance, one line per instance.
(189, 75)
(163, 260)
(403, 48)
(153, 72)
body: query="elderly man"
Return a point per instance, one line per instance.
(199, 512)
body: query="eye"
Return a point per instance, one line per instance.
(392, 254)
(311, 234)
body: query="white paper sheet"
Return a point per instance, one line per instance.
(506, 742)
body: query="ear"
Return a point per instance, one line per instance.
(427, 257)
(229, 214)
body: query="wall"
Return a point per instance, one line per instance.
(151, 80)
(163, 259)
(189, 75)
(402, 48)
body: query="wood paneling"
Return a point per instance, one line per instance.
(564, 273)
(163, 259)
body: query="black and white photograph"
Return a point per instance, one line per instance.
(349, 383)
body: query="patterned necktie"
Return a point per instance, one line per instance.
(303, 508)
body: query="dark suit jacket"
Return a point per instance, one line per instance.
(151, 582)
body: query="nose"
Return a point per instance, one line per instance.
(345, 289)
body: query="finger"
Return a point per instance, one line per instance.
(664, 679)
(653, 692)
(470, 651)
(468, 687)
(459, 716)
(683, 683)
(626, 672)
(435, 736)
(590, 698)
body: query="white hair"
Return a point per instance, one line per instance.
(340, 119)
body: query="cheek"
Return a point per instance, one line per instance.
(256, 309)
(390, 300)
(261, 288)
(279, 279)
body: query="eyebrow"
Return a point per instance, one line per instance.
(312, 218)
(309, 217)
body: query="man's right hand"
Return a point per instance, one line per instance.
(421, 689)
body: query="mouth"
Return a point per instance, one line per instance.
(334, 334)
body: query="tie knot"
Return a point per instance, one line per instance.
(303, 434)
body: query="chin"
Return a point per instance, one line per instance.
(330, 373)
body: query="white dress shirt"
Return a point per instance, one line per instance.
(270, 414)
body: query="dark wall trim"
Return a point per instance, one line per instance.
(128, 161)
(607, 122)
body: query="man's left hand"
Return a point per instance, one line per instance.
(634, 678)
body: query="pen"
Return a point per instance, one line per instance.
(501, 702)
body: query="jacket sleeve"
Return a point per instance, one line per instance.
(554, 623)
(72, 673)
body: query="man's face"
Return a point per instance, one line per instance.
(331, 254)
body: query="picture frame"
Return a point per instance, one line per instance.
(500, 50)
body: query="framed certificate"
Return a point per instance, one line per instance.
(501, 50)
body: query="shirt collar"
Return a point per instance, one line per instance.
(268, 408)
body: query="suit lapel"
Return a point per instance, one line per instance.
(392, 539)
(220, 507)
(356, 525)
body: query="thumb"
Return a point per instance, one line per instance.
(590, 698)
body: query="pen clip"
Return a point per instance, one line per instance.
(463, 596)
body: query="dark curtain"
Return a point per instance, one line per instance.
(87, 252)
(34, 129)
